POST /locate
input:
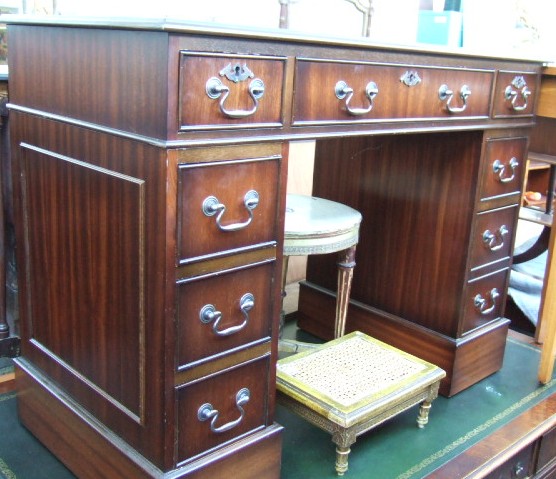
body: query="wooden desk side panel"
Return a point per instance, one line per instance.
(416, 195)
(92, 289)
(112, 78)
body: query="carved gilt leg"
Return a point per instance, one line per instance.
(423, 417)
(346, 263)
(343, 438)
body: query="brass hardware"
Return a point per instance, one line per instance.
(212, 206)
(445, 94)
(208, 314)
(206, 412)
(237, 72)
(499, 169)
(518, 88)
(481, 304)
(495, 241)
(215, 89)
(410, 78)
(342, 90)
(519, 468)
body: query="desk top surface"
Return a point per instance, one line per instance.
(180, 25)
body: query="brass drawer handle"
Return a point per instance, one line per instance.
(212, 206)
(481, 304)
(445, 94)
(495, 241)
(500, 170)
(207, 411)
(216, 89)
(342, 90)
(208, 314)
(518, 88)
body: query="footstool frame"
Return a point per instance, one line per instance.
(400, 382)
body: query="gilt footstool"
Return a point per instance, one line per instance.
(352, 384)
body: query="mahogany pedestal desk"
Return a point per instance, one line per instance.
(149, 160)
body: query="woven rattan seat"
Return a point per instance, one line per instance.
(350, 385)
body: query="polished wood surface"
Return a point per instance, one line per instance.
(117, 142)
(497, 451)
(424, 259)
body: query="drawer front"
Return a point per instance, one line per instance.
(515, 94)
(483, 299)
(547, 449)
(504, 168)
(221, 407)
(493, 238)
(224, 312)
(386, 92)
(517, 467)
(229, 91)
(227, 205)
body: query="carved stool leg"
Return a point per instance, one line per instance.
(346, 263)
(423, 417)
(342, 460)
(343, 438)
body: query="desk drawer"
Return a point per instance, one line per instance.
(385, 92)
(229, 91)
(227, 205)
(517, 467)
(515, 94)
(504, 166)
(493, 238)
(224, 312)
(221, 407)
(484, 298)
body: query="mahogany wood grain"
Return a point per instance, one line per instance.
(106, 225)
(93, 85)
(394, 99)
(465, 361)
(198, 182)
(542, 140)
(57, 421)
(198, 110)
(485, 456)
(502, 107)
(98, 205)
(417, 215)
(198, 340)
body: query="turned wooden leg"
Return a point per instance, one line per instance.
(423, 417)
(342, 454)
(343, 438)
(282, 312)
(346, 263)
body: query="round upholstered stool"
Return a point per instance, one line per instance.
(318, 226)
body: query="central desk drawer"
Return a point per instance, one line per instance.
(224, 312)
(221, 407)
(337, 92)
(227, 205)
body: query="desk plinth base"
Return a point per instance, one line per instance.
(90, 451)
(466, 361)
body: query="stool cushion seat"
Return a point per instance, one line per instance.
(354, 383)
(353, 377)
(318, 226)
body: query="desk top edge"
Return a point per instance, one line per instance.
(177, 25)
